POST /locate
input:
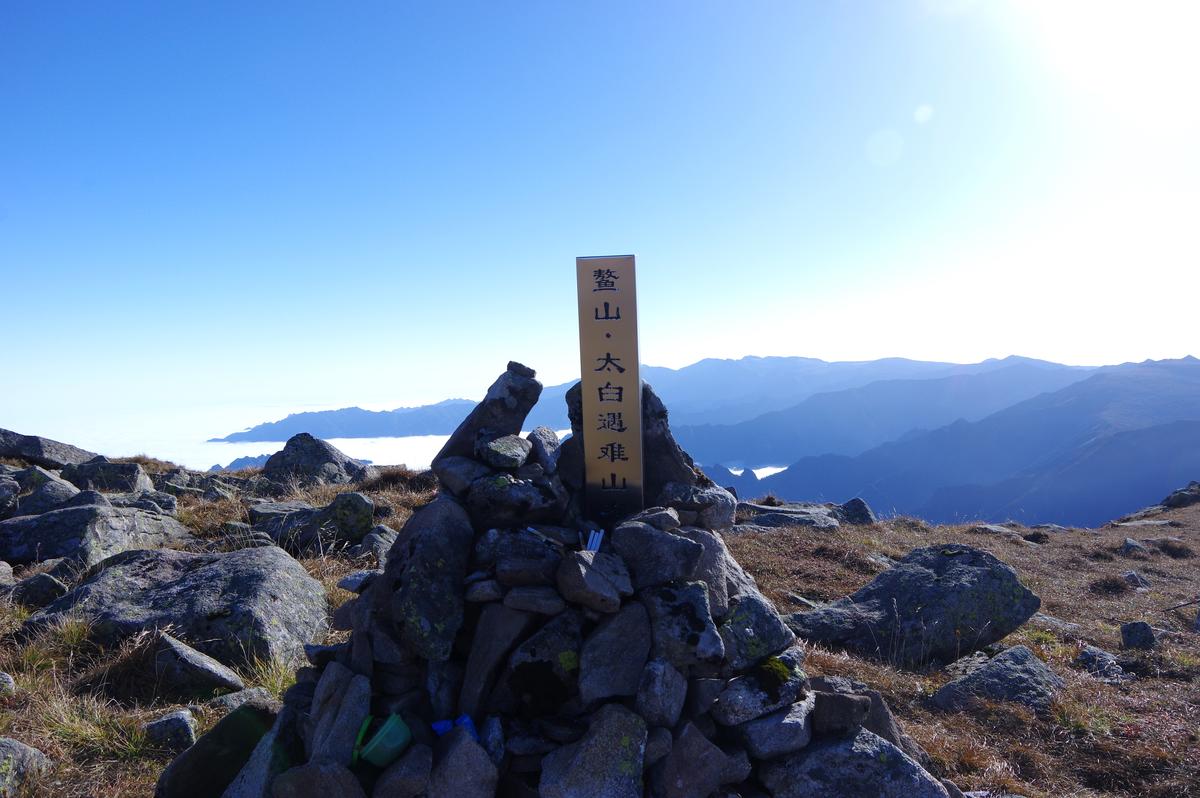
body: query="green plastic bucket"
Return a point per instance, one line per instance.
(388, 743)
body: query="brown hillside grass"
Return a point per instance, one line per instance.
(1141, 738)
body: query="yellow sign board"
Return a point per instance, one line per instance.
(612, 386)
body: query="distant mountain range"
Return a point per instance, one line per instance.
(1011, 438)
(1086, 453)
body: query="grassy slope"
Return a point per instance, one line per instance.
(1138, 739)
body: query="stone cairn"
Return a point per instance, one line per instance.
(524, 665)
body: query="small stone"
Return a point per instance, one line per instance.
(341, 702)
(175, 731)
(614, 655)
(539, 599)
(182, 671)
(1134, 579)
(358, 581)
(1138, 634)
(485, 591)
(694, 767)
(661, 693)
(231, 701)
(594, 579)
(317, 780)
(39, 590)
(658, 745)
(464, 770)
(781, 732)
(1099, 662)
(839, 714)
(1133, 548)
(408, 776)
(664, 518)
(545, 445)
(8, 685)
(457, 473)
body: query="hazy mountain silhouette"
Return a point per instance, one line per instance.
(1068, 432)
(851, 421)
(707, 392)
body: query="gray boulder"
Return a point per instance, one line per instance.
(498, 632)
(597, 580)
(8, 685)
(856, 512)
(20, 765)
(457, 473)
(660, 694)
(879, 719)
(101, 474)
(937, 604)
(426, 569)
(753, 631)
(1184, 497)
(694, 767)
(710, 507)
(775, 683)
(1099, 662)
(6, 575)
(181, 671)
(341, 702)
(1015, 674)
(9, 490)
(43, 492)
(818, 516)
(545, 444)
(207, 767)
(502, 412)
(236, 607)
(41, 451)
(605, 763)
(1138, 634)
(37, 591)
(308, 460)
(781, 732)
(865, 766)
(614, 654)
(681, 624)
(506, 452)
(655, 557)
(175, 731)
(718, 570)
(87, 534)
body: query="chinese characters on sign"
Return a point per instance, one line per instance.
(612, 386)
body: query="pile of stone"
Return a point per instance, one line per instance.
(524, 665)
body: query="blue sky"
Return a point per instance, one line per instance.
(302, 204)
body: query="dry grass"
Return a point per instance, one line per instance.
(1141, 738)
(151, 465)
(206, 518)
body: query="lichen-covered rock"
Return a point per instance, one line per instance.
(426, 568)
(683, 629)
(774, 683)
(86, 534)
(543, 671)
(783, 731)
(20, 764)
(235, 607)
(710, 507)
(660, 694)
(597, 580)
(1138, 634)
(753, 631)
(507, 452)
(606, 763)
(545, 445)
(307, 460)
(865, 766)
(174, 731)
(937, 604)
(1015, 674)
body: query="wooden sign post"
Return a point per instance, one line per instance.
(612, 387)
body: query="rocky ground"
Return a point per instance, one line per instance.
(151, 616)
